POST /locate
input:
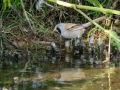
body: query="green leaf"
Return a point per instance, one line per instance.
(95, 3)
(115, 39)
(4, 4)
(30, 10)
(8, 3)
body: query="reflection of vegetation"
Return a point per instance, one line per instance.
(42, 23)
(102, 75)
(7, 76)
(38, 70)
(99, 77)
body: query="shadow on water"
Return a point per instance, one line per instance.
(37, 70)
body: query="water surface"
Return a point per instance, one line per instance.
(40, 71)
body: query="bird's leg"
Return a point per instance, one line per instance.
(71, 44)
(77, 41)
(67, 45)
(91, 43)
(77, 45)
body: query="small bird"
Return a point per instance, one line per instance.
(71, 30)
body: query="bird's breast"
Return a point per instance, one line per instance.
(72, 34)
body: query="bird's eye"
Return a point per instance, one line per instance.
(58, 29)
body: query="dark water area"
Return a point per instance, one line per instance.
(38, 70)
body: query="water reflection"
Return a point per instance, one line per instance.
(70, 74)
(65, 71)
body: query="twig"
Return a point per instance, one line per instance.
(96, 20)
(104, 10)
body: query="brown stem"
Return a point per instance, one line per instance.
(96, 20)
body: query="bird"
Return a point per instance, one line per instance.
(69, 30)
(72, 30)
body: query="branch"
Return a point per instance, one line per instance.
(96, 20)
(103, 10)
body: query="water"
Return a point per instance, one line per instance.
(36, 70)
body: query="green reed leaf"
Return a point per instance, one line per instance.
(95, 3)
(115, 39)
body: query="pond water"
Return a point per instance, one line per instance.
(38, 70)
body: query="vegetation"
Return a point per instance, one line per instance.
(27, 24)
(42, 22)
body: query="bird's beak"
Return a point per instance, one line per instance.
(54, 29)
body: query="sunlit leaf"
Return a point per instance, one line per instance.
(101, 75)
(8, 1)
(112, 70)
(115, 39)
(4, 4)
(95, 3)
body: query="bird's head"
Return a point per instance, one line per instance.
(59, 28)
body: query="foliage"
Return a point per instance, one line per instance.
(40, 21)
(115, 39)
(113, 35)
(6, 3)
(95, 3)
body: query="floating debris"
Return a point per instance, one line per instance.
(43, 58)
(91, 40)
(36, 84)
(43, 84)
(77, 63)
(57, 51)
(100, 41)
(24, 83)
(67, 57)
(16, 80)
(77, 52)
(10, 63)
(54, 59)
(28, 53)
(100, 44)
(1, 88)
(10, 88)
(49, 50)
(18, 57)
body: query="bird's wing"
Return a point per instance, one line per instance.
(70, 25)
(73, 27)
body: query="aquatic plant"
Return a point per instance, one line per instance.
(111, 34)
